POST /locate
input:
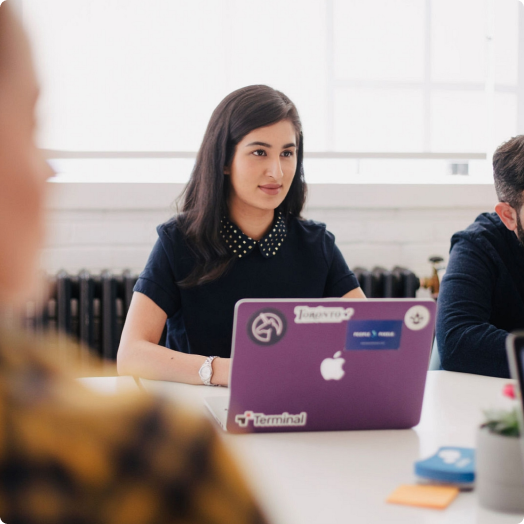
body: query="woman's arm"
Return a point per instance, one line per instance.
(355, 293)
(139, 353)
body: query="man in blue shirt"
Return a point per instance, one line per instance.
(482, 294)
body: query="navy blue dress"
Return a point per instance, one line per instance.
(296, 259)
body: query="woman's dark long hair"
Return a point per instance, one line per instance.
(206, 194)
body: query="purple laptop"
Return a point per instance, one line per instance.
(325, 364)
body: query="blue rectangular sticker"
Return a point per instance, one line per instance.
(373, 334)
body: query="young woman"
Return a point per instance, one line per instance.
(240, 235)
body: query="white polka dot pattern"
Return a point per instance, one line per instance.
(240, 244)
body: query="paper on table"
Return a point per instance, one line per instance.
(436, 497)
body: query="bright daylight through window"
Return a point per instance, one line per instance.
(388, 91)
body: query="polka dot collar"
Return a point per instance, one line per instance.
(241, 245)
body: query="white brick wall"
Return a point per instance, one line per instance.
(100, 239)
(405, 237)
(86, 231)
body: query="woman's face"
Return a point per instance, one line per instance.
(263, 168)
(23, 171)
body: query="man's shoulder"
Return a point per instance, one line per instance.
(487, 229)
(488, 242)
(488, 223)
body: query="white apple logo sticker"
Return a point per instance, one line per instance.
(331, 368)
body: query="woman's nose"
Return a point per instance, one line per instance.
(275, 170)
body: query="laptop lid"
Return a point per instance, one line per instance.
(515, 351)
(314, 365)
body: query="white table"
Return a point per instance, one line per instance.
(110, 385)
(329, 477)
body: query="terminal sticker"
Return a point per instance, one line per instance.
(373, 334)
(262, 420)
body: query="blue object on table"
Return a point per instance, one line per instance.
(449, 464)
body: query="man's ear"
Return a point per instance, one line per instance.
(507, 214)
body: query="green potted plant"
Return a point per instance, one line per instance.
(500, 470)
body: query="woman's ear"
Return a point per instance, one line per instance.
(227, 170)
(507, 214)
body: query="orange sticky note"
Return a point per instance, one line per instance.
(437, 497)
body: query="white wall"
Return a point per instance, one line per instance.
(112, 226)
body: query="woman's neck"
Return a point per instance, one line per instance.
(253, 223)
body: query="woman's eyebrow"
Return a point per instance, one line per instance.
(258, 144)
(291, 144)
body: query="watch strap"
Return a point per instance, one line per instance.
(206, 371)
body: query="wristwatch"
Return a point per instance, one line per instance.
(206, 371)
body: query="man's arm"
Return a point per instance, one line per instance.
(467, 342)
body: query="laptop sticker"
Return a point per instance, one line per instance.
(417, 318)
(331, 368)
(322, 315)
(267, 327)
(373, 334)
(260, 420)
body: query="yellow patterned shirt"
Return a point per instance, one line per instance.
(70, 456)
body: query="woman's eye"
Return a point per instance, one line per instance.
(259, 152)
(287, 153)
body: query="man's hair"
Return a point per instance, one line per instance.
(508, 171)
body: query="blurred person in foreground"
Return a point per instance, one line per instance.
(482, 295)
(68, 455)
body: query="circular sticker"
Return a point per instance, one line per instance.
(417, 318)
(267, 327)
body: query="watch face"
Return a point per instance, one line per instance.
(206, 373)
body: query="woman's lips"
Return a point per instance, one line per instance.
(271, 189)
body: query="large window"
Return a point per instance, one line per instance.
(387, 89)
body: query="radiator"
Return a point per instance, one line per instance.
(85, 307)
(92, 308)
(382, 283)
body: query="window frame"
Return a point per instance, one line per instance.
(332, 84)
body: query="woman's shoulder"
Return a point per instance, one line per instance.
(311, 233)
(172, 228)
(173, 240)
(307, 228)
(306, 224)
